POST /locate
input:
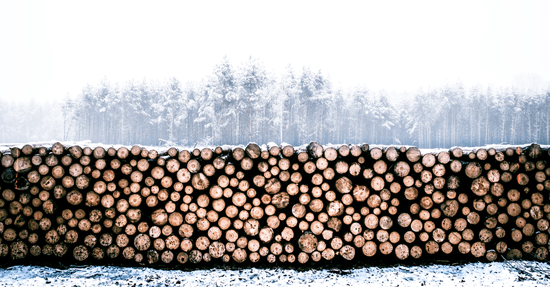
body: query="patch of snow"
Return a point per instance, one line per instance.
(163, 149)
(509, 273)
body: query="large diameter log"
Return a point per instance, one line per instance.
(450, 208)
(18, 250)
(142, 242)
(347, 252)
(428, 160)
(344, 185)
(159, 217)
(7, 160)
(281, 200)
(9, 175)
(22, 165)
(480, 186)
(200, 181)
(413, 154)
(315, 150)
(58, 148)
(534, 151)
(273, 186)
(402, 251)
(473, 170)
(392, 154)
(402, 169)
(307, 242)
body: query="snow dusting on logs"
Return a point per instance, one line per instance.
(272, 204)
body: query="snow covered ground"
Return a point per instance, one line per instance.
(510, 273)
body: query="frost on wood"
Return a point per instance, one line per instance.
(272, 204)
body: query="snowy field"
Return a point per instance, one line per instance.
(510, 273)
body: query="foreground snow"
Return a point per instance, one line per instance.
(511, 273)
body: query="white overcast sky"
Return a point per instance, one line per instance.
(49, 49)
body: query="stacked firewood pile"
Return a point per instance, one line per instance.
(276, 205)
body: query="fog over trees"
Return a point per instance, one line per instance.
(247, 103)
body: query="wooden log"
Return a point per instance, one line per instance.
(402, 169)
(315, 150)
(473, 170)
(413, 154)
(76, 151)
(347, 252)
(380, 167)
(9, 175)
(480, 186)
(522, 179)
(7, 160)
(377, 183)
(411, 193)
(392, 154)
(428, 160)
(386, 248)
(376, 153)
(22, 165)
(369, 249)
(534, 151)
(416, 252)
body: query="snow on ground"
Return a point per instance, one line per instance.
(510, 273)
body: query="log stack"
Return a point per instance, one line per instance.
(276, 204)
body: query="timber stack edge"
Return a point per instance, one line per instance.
(273, 205)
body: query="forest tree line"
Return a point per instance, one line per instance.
(237, 105)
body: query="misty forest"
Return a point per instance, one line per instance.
(247, 103)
